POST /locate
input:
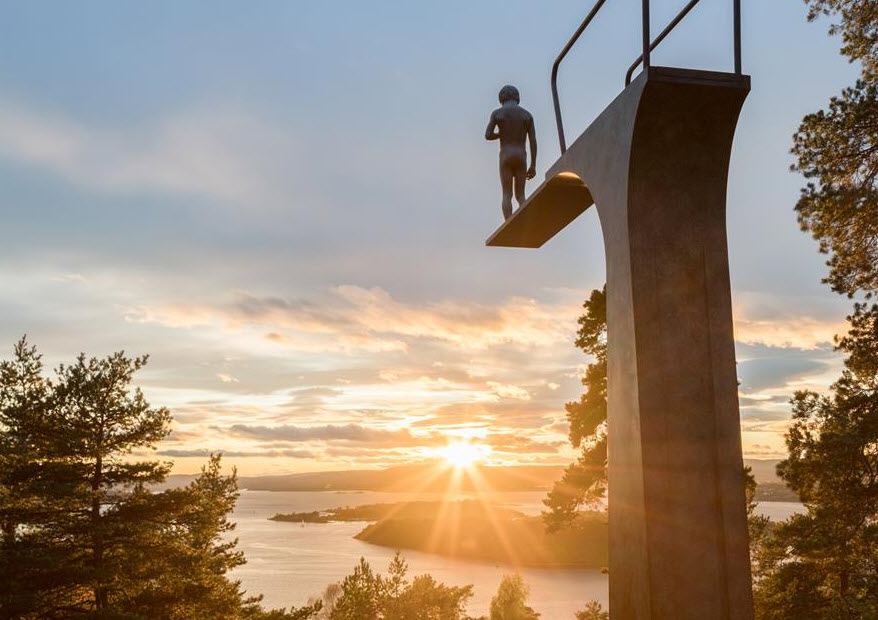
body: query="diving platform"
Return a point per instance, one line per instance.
(655, 164)
(563, 196)
(557, 202)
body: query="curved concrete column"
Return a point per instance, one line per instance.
(656, 165)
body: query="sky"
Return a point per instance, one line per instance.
(285, 205)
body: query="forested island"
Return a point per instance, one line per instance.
(474, 530)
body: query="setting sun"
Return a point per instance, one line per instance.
(463, 453)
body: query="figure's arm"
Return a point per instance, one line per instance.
(491, 132)
(532, 137)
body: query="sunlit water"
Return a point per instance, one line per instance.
(780, 511)
(289, 563)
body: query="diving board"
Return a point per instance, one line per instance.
(555, 203)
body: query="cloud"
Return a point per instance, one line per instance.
(760, 400)
(293, 454)
(517, 443)
(77, 278)
(794, 332)
(349, 318)
(787, 322)
(350, 433)
(509, 391)
(394, 376)
(311, 399)
(773, 372)
(228, 156)
(356, 440)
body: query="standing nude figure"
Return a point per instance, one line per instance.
(512, 124)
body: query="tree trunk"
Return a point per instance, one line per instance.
(100, 591)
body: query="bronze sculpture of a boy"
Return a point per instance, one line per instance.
(511, 124)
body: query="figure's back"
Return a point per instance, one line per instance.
(513, 122)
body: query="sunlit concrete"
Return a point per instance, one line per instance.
(655, 163)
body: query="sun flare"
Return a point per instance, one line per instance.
(463, 453)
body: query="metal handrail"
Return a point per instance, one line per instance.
(570, 43)
(682, 14)
(644, 57)
(736, 8)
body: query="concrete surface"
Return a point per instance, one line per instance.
(655, 163)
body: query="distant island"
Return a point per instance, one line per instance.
(473, 530)
(367, 512)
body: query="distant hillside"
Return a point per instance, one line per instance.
(764, 470)
(775, 492)
(430, 478)
(174, 481)
(423, 478)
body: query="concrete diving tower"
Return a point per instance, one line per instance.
(655, 164)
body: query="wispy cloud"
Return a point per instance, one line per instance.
(352, 375)
(349, 433)
(509, 391)
(794, 332)
(228, 156)
(781, 321)
(352, 317)
(186, 453)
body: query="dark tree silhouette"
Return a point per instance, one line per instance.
(83, 532)
(584, 482)
(365, 595)
(510, 601)
(823, 564)
(837, 152)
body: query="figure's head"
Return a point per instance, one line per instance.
(509, 93)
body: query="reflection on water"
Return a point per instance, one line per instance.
(779, 511)
(289, 563)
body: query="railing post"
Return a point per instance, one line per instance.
(558, 121)
(737, 18)
(680, 16)
(646, 38)
(573, 39)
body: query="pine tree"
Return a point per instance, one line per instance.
(510, 601)
(593, 611)
(84, 533)
(99, 422)
(837, 152)
(32, 579)
(824, 564)
(584, 483)
(366, 595)
(361, 593)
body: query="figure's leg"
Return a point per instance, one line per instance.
(506, 183)
(520, 178)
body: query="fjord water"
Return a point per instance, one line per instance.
(289, 563)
